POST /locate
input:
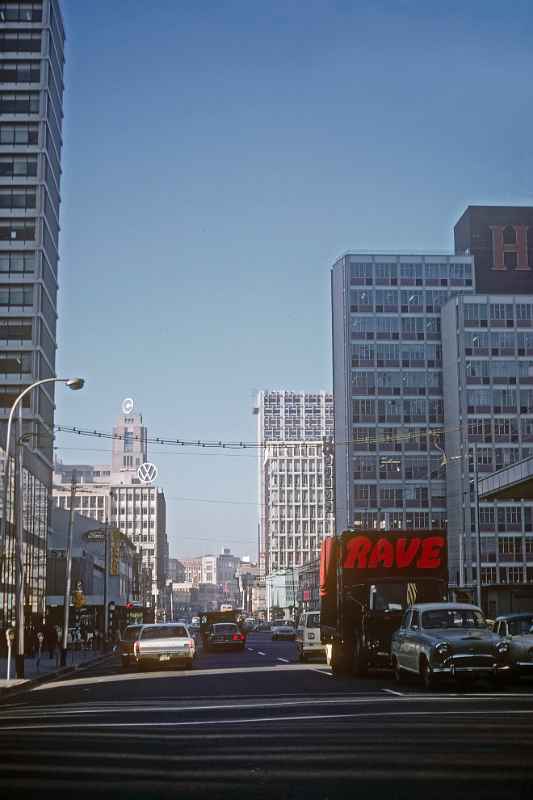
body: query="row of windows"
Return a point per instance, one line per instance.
(15, 330)
(21, 12)
(389, 496)
(412, 271)
(20, 72)
(395, 410)
(19, 198)
(391, 439)
(16, 295)
(499, 401)
(296, 496)
(297, 527)
(414, 301)
(489, 313)
(300, 512)
(489, 575)
(20, 42)
(12, 363)
(499, 369)
(13, 167)
(19, 102)
(19, 134)
(388, 328)
(498, 342)
(17, 230)
(296, 543)
(398, 520)
(17, 262)
(391, 354)
(299, 481)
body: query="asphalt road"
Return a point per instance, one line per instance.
(258, 724)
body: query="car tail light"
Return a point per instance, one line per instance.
(190, 643)
(136, 648)
(237, 637)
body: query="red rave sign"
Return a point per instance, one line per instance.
(388, 555)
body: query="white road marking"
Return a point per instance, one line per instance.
(322, 672)
(251, 649)
(277, 719)
(260, 653)
(391, 691)
(286, 660)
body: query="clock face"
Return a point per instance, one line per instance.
(127, 405)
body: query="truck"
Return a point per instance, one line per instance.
(367, 579)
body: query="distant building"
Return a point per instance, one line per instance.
(115, 493)
(176, 570)
(193, 570)
(209, 570)
(295, 476)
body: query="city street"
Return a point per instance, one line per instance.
(259, 724)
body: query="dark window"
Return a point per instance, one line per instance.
(164, 632)
(19, 103)
(17, 230)
(21, 12)
(20, 42)
(19, 134)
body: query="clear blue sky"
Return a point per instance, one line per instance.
(218, 157)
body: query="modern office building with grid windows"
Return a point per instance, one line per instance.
(296, 477)
(31, 98)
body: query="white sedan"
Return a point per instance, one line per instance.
(164, 644)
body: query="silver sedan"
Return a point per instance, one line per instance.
(517, 631)
(438, 640)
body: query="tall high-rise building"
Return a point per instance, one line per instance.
(388, 386)
(130, 447)
(31, 113)
(295, 476)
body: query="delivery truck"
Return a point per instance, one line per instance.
(367, 579)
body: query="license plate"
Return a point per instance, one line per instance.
(164, 658)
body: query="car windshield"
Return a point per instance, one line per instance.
(453, 618)
(225, 628)
(313, 621)
(520, 627)
(164, 632)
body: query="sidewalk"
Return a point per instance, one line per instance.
(35, 672)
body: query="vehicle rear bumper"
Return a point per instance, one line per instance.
(173, 658)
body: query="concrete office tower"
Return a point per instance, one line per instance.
(488, 403)
(295, 476)
(388, 387)
(130, 448)
(31, 113)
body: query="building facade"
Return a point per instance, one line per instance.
(388, 387)
(114, 493)
(295, 476)
(31, 113)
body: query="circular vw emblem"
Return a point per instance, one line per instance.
(127, 405)
(147, 472)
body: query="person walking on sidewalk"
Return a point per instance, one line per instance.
(50, 639)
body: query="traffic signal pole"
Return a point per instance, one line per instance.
(68, 573)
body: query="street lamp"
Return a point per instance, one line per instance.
(74, 384)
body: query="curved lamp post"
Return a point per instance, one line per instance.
(74, 384)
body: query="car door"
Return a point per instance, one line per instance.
(412, 641)
(400, 639)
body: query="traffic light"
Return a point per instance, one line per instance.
(110, 615)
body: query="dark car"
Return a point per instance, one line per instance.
(225, 635)
(126, 644)
(517, 631)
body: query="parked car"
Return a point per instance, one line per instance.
(164, 644)
(126, 644)
(517, 630)
(281, 630)
(308, 636)
(225, 636)
(438, 640)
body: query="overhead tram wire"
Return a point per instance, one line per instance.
(433, 432)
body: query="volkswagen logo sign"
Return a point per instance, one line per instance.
(127, 405)
(147, 472)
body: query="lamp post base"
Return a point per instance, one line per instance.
(63, 661)
(19, 666)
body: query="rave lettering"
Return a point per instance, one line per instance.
(422, 553)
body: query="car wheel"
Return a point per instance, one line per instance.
(426, 673)
(359, 660)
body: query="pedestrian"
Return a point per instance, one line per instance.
(51, 639)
